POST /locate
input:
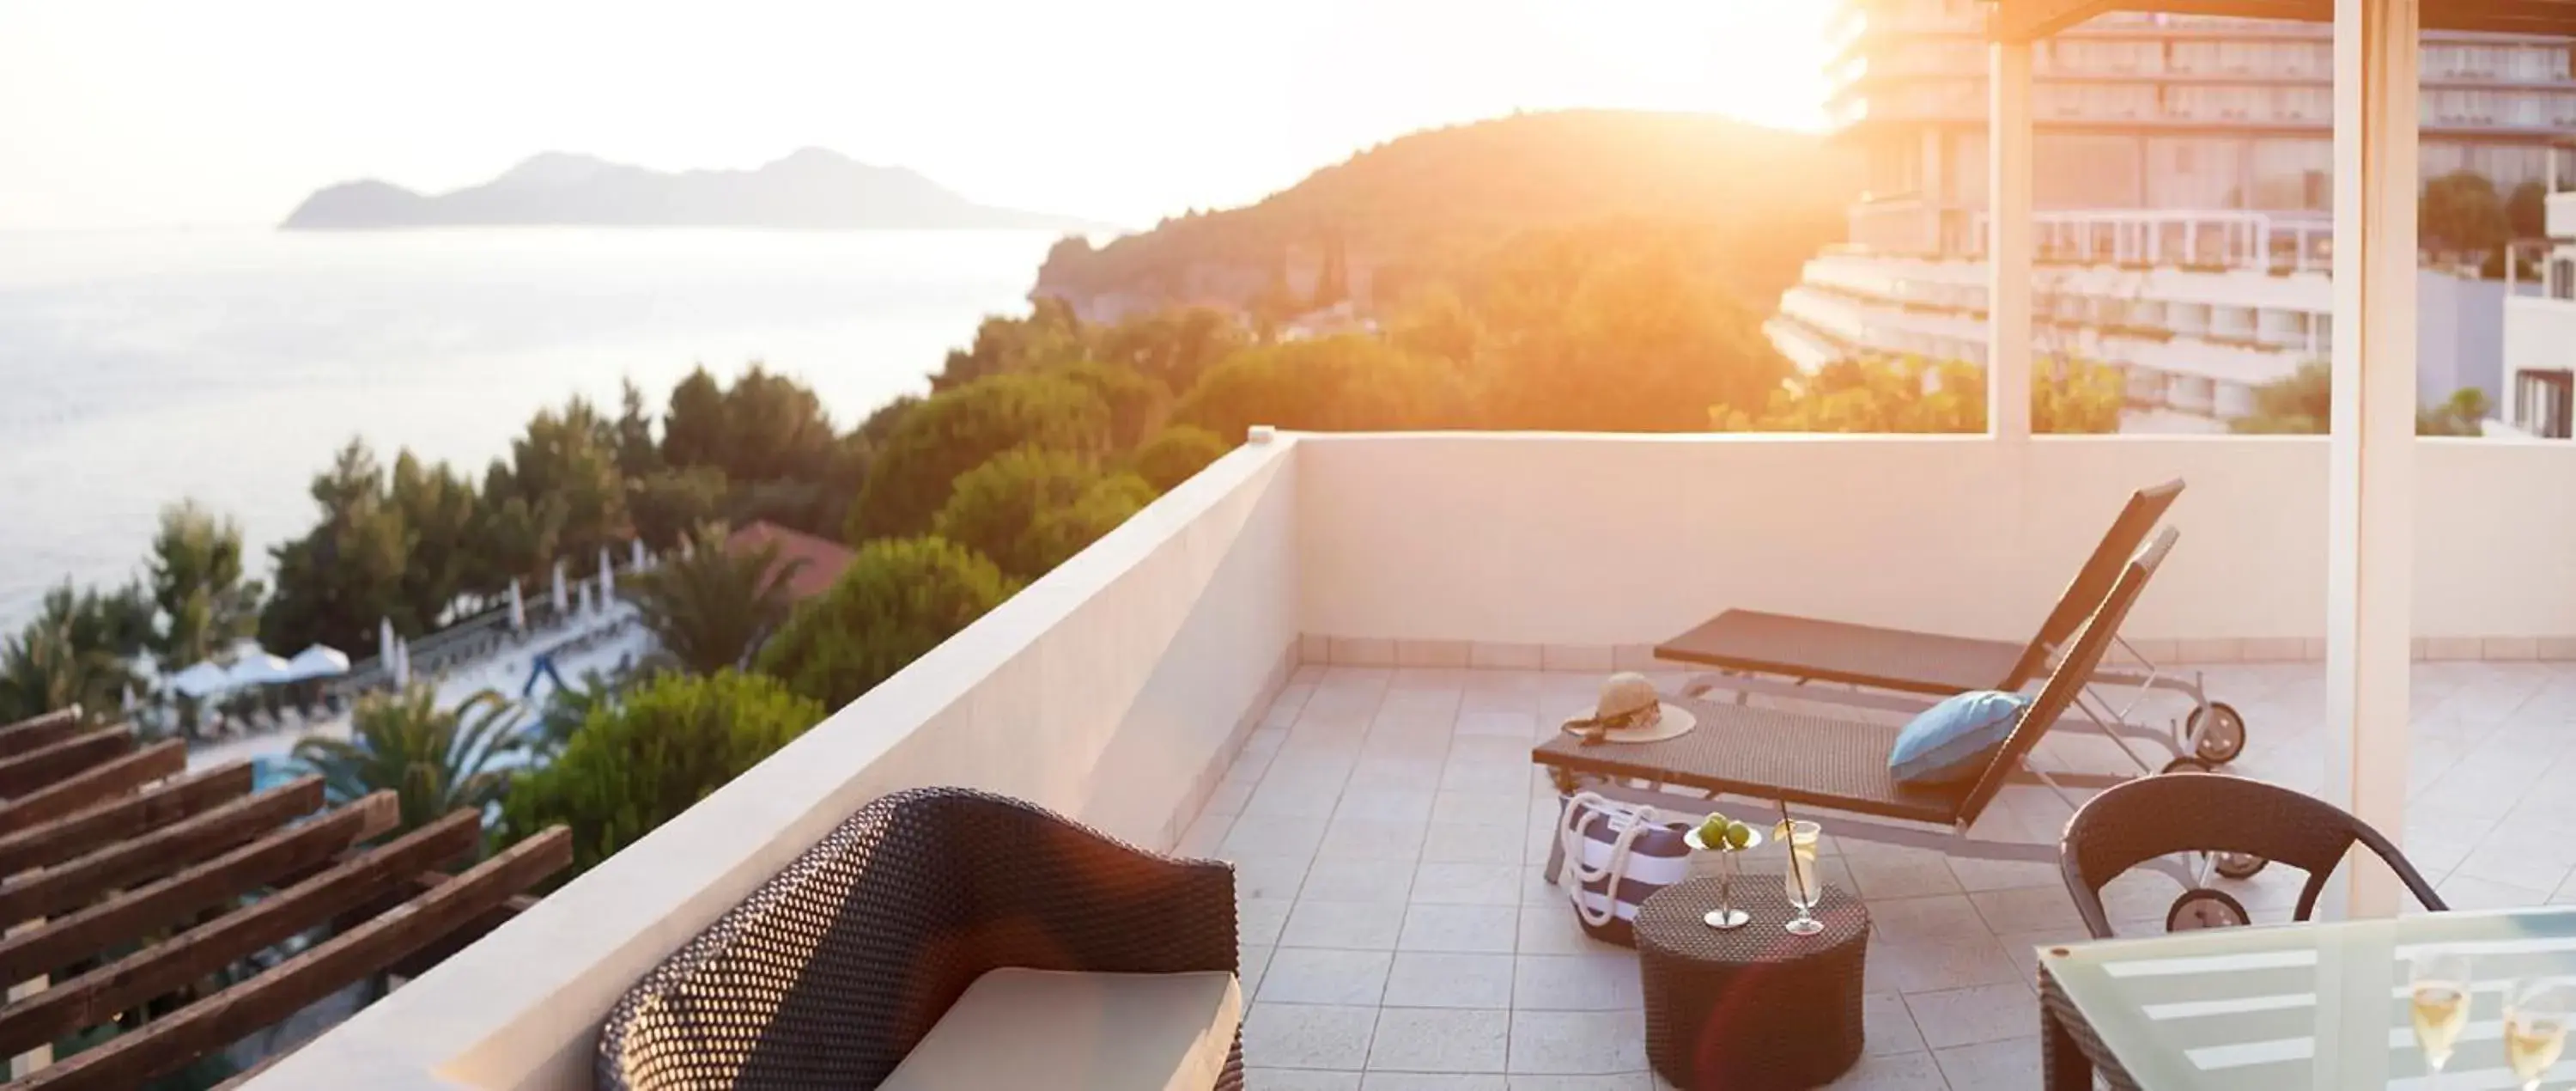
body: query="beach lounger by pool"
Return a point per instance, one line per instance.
(1806, 762)
(1750, 651)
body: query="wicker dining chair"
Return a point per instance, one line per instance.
(2141, 820)
(834, 969)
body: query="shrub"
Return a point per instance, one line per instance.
(995, 505)
(1061, 532)
(958, 430)
(637, 764)
(898, 599)
(1137, 405)
(1175, 454)
(1332, 384)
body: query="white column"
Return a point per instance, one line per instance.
(2008, 241)
(2370, 529)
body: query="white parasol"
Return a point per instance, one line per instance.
(200, 680)
(318, 661)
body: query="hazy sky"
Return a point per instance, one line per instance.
(117, 113)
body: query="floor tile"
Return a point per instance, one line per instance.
(1463, 843)
(1471, 929)
(1578, 1042)
(1905, 1072)
(1361, 926)
(1422, 1081)
(1597, 982)
(1984, 1013)
(1357, 879)
(1906, 875)
(1314, 975)
(1440, 1040)
(1441, 979)
(1308, 1035)
(1888, 1025)
(1438, 883)
(2027, 909)
(1624, 1081)
(1291, 1079)
(2010, 1063)
(1370, 839)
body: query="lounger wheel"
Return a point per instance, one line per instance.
(2203, 908)
(2237, 865)
(2216, 731)
(2185, 765)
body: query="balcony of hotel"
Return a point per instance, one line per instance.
(1327, 657)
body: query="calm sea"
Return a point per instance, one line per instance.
(137, 368)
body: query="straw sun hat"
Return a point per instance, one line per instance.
(1629, 711)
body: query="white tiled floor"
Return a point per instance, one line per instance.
(1389, 831)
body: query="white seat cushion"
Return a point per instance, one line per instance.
(1079, 1032)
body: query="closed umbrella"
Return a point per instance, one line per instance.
(385, 643)
(518, 608)
(399, 658)
(635, 554)
(607, 579)
(563, 602)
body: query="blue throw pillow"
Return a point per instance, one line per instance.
(1952, 741)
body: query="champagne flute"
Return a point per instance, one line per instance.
(2535, 1028)
(1805, 886)
(2438, 998)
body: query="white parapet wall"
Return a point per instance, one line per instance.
(1113, 690)
(1585, 541)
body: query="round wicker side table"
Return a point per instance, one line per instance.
(1752, 1008)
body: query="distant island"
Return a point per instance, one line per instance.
(811, 190)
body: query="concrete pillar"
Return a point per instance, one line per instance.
(2370, 528)
(2008, 241)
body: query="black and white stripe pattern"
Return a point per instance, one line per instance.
(1656, 856)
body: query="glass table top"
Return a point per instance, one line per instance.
(2314, 1006)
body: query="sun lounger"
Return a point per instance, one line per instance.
(1751, 651)
(1819, 762)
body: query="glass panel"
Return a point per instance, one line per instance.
(2306, 1006)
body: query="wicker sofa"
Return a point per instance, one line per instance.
(949, 938)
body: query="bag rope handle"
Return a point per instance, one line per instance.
(1580, 811)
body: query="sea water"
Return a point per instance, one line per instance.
(141, 367)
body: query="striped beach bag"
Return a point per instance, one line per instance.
(1609, 857)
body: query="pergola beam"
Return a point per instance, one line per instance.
(2029, 20)
(97, 996)
(46, 764)
(54, 841)
(180, 1037)
(165, 850)
(65, 940)
(99, 782)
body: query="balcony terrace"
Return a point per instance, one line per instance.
(1326, 658)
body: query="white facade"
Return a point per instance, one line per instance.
(2182, 186)
(2540, 335)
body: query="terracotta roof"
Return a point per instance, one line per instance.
(824, 559)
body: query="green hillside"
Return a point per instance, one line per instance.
(1422, 206)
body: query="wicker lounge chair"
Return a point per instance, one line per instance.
(2160, 817)
(1813, 761)
(1002, 943)
(1750, 651)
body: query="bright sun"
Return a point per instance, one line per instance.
(1767, 59)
